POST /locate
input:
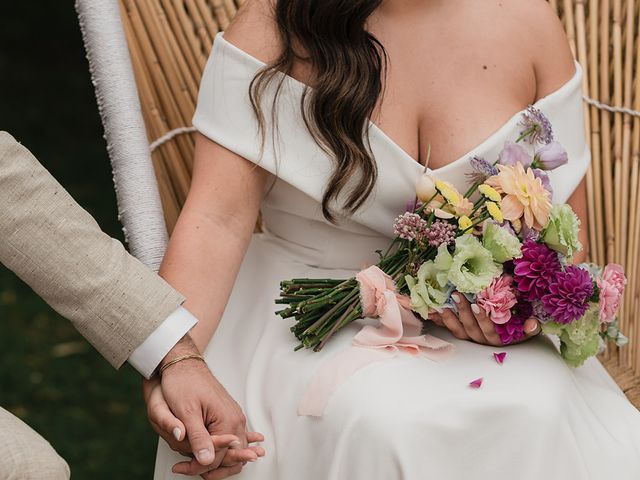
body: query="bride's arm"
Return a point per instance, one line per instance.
(213, 232)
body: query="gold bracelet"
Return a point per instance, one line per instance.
(179, 359)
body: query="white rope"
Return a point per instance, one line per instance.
(139, 205)
(609, 108)
(169, 136)
(182, 130)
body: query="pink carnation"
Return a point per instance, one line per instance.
(498, 299)
(611, 283)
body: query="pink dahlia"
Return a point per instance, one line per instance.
(611, 283)
(569, 294)
(498, 299)
(513, 330)
(535, 270)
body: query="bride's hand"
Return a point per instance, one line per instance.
(229, 454)
(171, 429)
(472, 323)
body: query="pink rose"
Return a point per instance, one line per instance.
(498, 299)
(611, 283)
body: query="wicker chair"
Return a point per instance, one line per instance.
(147, 57)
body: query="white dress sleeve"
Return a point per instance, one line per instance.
(565, 110)
(224, 114)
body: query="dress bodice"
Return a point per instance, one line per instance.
(301, 169)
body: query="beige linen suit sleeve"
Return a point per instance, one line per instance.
(25, 455)
(58, 249)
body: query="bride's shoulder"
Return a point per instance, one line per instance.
(544, 41)
(254, 30)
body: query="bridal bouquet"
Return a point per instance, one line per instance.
(502, 243)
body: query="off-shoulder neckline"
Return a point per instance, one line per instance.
(560, 93)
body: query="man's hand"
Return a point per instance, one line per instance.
(199, 409)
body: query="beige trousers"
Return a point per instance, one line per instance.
(25, 455)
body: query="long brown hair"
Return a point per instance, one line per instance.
(348, 64)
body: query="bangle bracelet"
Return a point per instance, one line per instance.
(179, 359)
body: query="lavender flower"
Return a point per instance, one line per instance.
(481, 170)
(410, 226)
(537, 124)
(550, 156)
(544, 178)
(512, 154)
(569, 294)
(413, 205)
(440, 233)
(535, 270)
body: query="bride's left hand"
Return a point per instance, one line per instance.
(472, 323)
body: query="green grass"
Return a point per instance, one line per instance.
(49, 376)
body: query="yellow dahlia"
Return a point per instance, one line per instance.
(465, 223)
(490, 193)
(448, 191)
(495, 212)
(525, 195)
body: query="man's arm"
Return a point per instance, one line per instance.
(124, 309)
(58, 249)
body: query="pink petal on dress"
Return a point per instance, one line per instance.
(500, 357)
(477, 383)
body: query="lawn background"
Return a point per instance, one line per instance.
(49, 376)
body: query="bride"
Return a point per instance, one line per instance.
(381, 81)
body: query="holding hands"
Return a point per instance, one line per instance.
(196, 416)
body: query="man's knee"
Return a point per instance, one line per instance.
(25, 455)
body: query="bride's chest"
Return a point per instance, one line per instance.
(449, 91)
(449, 105)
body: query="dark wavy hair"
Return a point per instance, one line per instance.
(348, 65)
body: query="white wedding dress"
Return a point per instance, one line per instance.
(406, 417)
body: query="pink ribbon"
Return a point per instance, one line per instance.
(399, 330)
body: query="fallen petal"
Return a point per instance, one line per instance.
(500, 357)
(476, 383)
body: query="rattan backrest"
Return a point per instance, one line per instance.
(169, 41)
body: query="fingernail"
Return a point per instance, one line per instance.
(531, 330)
(439, 310)
(475, 308)
(455, 298)
(235, 444)
(205, 455)
(176, 433)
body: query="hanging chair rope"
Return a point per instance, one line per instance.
(609, 108)
(169, 136)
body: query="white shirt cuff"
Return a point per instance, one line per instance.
(150, 353)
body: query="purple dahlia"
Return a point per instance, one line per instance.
(513, 330)
(535, 270)
(569, 294)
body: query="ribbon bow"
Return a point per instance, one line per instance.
(399, 330)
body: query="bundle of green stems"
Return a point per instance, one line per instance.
(321, 307)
